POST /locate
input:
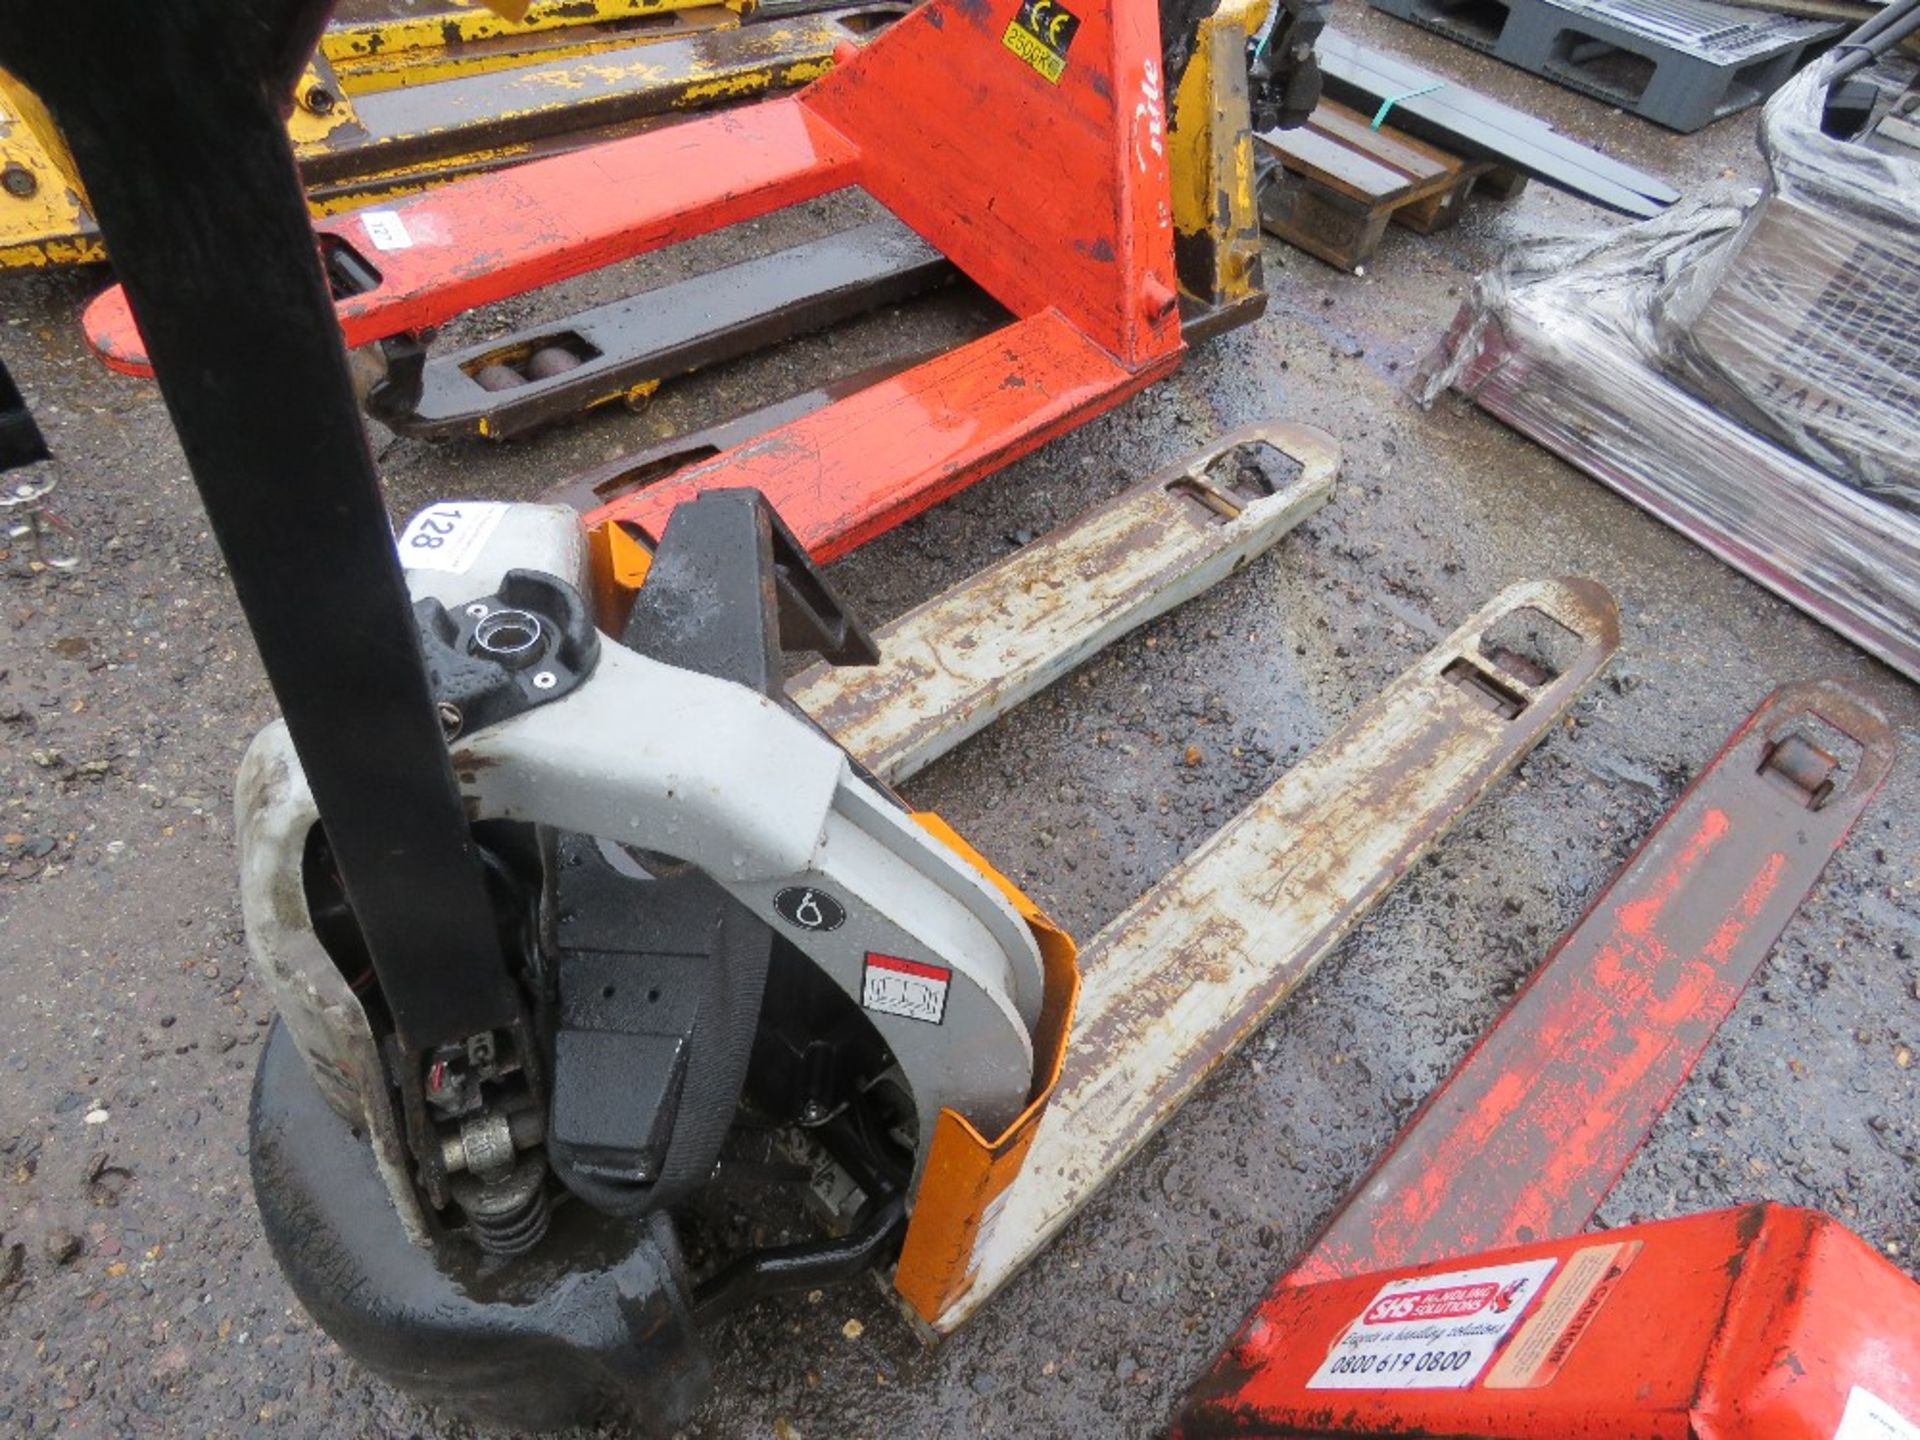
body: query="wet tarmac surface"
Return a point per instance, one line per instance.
(137, 1296)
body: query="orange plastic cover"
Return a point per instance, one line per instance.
(618, 564)
(965, 1171)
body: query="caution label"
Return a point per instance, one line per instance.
(909, 988)
(1566, 1313)
(1431, 1332)
(1040, 33)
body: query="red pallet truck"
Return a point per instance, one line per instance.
(1029, 144)
(1434, 1303)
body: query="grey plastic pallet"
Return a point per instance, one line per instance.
(1679, 63)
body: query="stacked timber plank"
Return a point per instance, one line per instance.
(1334, 185)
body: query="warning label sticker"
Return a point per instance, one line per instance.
(893, 986)
(449, 537)
(1431, 1332)
(1039, 33)
(1564, 1315)
(1868, 1417)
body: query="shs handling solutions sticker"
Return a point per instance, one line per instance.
(1431, 1332)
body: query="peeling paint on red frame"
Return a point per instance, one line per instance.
(1534, 1127)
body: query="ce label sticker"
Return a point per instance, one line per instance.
(1039, 33)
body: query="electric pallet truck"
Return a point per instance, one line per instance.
(576, 915)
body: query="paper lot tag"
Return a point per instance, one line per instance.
(1039, 33)
(1868, 1417)
(386, 229)
(449, 536)
(1431, 1332)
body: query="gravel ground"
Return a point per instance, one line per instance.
(136, 1294)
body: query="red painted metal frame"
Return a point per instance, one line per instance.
(1537, 1123)
(943, 423)
(509, 231)
(1051, 195)
(1759, 1323)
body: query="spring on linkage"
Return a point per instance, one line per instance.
(508, 1216)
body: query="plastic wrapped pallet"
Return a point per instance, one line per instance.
(1805, 322)
(1560, 343)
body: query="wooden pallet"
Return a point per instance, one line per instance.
(1336, 183)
